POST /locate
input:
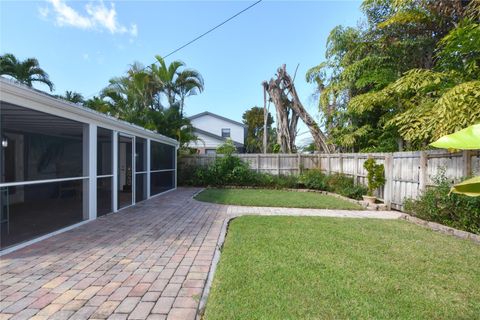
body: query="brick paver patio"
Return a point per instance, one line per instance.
(150, 261)
(146, 262)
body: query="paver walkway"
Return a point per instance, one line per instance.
(150, 261)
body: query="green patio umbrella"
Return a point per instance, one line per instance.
(465, 139)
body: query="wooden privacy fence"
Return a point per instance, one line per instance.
(407, 173)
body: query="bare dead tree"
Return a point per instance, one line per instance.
(286, 120)
(282, 93)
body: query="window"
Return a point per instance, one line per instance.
(210, 151)
(226, 133)
(141, 169)
(162, 174)
(104, 171)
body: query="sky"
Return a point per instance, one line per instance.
(82, 44)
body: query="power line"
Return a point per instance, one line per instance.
(212, 29)
(205, 33)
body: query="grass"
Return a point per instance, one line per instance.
(275, 198)
(331, 268)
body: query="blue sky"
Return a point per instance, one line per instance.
(82, 44)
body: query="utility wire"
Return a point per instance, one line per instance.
(212, 29)
(205, 33)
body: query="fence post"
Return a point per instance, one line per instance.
(299, 162)
(278, 163)
(422, 175)
(319, 162)
(258, 163)
(467, 163)
(340, 162)
(329, 165)
(388, 191)
(355, 169)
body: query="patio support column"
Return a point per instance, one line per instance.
(176, 166)
(134, 171)
(115, 172)
(90, 171)
(148, 168)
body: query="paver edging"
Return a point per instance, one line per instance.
(213, 267)
(442, 228)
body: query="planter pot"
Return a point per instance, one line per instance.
(369, 200)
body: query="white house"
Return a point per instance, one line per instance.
(213, 130)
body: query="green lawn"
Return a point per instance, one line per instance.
(335, 268)
(275, 198)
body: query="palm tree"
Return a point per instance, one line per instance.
(174, 82)
(72, 96)
(26, 71)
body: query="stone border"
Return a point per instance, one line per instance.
(441, 228)
(213, 268)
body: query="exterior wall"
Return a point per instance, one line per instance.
(214, 125)
(205, 142)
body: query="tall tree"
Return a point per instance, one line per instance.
(27, 71)
(253, 119)
(289, 109)
(380, 70)
(175, 81)
(137, 97)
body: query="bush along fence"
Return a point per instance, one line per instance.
(407, 174)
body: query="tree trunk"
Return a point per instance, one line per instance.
(318, 136)
(265, 120)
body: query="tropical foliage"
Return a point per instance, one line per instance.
(440, 205)
(375, 175)
(253, 118)
(405, 77)
(153, 97)
(27, 71)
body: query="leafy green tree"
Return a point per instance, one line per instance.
(254, 120)
(98, 104)
(227, 148)
(27, 71)
(410, 70)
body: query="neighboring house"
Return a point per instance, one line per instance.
(62, 164)
(213, 130)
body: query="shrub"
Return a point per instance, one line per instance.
(314, 179)
(375, 175)
(345, 186)
(436, 204)
(227, 148)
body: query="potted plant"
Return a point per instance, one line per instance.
(375, 179)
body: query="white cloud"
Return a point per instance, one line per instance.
(98, 17)
(43, 11)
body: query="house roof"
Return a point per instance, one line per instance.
(207, 113)
(212, 135)
(18, 94)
